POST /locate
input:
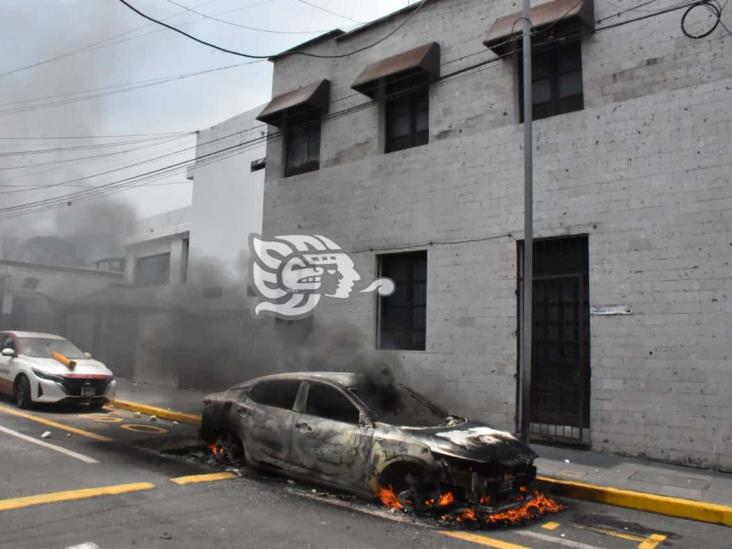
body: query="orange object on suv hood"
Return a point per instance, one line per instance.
(66, 361)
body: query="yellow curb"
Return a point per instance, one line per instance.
(162, 413)
(54, 424)
(654, 503)
(71, 495)
(206, 477)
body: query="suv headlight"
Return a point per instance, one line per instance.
(48, 377)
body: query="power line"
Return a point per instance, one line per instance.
(63, 137)
(88, 47)
(239, 25)
(321, 8)
(58, 200)
(293, 52)
(29, 105)
(92, 146)
(139, 180)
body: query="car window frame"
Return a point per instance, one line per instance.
(363, 417)
(247, 392)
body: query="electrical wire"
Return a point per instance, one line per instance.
(239, 25)
(138, 180)
(62, 199)
(321, 8)
(92, 46)
(62, 137)
(31, 105)
(293, 52)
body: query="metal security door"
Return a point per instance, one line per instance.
(560, 373)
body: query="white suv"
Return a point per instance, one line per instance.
(47, 368)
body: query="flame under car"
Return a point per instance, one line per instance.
(376, 440)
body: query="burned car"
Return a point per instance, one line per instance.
(385, 440)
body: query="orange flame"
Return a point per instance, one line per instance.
(539, 505)
(388, 497)
(216, 450)
(446, 499)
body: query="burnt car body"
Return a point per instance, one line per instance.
(342, 430)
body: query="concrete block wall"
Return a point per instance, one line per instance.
(643, 170)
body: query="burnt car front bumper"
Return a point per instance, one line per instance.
(492, 486)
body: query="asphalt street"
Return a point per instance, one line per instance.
(117, 479)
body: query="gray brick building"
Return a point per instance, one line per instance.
(633, 211)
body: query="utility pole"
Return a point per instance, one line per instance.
(528, 259)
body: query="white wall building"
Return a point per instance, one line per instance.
(228, 187)
(409, 154)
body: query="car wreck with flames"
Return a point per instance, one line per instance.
(373, 439)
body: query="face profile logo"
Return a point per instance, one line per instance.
(292, 272)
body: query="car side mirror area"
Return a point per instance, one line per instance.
(8, 352)
(87, 354)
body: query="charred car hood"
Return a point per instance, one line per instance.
(473, 441)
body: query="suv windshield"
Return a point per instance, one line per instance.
(398, 405)
(42, 347)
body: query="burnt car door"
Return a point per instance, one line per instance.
(264, 412)
(331, 440)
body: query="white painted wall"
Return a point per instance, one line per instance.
(643, 170)
(227, 201)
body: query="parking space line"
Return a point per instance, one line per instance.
(613, 533)
(59, 449)
(206, 477)
(72, 495)
(554, 539)
(55, 424)
(482, 540)
(652, 541)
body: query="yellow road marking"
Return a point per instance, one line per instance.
(143, 428)
(613, 533)
(71, 495)
(207, 477)
(102, 418)
(550, 525)
(162, 413)
(651, 541)
(663, 505)
(482, 540)
(55, 424)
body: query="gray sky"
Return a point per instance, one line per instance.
(119, 47)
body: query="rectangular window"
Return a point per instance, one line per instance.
(407, 114)
(556, 76)
(302, 145)
(329, 403)
(402, 315)
(153, 270)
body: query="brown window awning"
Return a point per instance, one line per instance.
(582, 11)
(313, 98)
(424, 60)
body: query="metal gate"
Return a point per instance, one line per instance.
(560, 370)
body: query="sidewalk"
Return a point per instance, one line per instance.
(640, 475)
(627, 482)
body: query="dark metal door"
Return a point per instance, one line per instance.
(560, 373)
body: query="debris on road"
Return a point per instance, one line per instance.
(153, 418)
(46, 434)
